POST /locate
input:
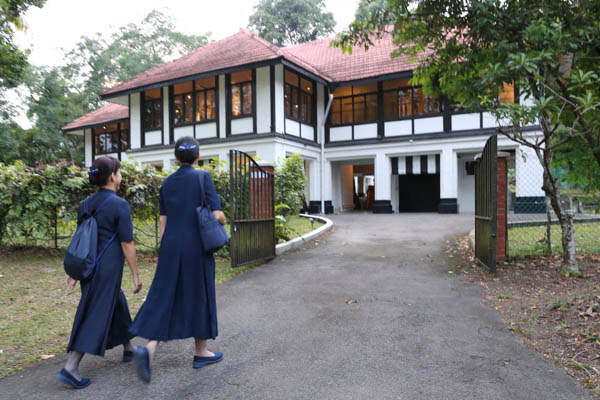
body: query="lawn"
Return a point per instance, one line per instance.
(301, 226)
(529, 240)
(37, 308)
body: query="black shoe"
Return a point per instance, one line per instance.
(65, 377)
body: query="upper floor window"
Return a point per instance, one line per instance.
(354, 104)
(152, 109)
(507, 94)
(111, 138)
(298, 97)
(241, 93)
(401, 100)
(194, 101)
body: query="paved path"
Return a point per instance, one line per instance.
(288, 332)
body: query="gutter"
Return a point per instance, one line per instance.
(322, 136)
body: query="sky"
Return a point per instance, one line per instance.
(60, 23)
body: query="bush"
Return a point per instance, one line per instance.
(290, 183)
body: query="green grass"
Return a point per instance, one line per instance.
(529, 240)
(302, 226)
(37, 308)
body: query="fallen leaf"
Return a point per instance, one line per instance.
(47, 356)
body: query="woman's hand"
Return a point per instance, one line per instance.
(137, 282)
(219, 216)
(71, 282)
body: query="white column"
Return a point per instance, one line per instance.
(448, 174)
(383, 171)
(166, 122)
(315, 180)
(135, 123)
(87, 137)
(328, 180)
(222, 107)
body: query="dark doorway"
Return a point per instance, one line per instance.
(419, 193)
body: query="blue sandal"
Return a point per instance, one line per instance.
(200, 362)
(65, 377)
(142, 363)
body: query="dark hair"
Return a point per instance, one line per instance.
(186, 150)
(102, 168)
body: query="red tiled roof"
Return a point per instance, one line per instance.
(111, 112)
(239, 49)
(336, 66)
(244, 48)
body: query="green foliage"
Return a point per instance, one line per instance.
(290, 183)
(289, 22)
(283, 231)
(220, 176)
(561, 305)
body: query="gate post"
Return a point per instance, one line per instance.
(501, 219)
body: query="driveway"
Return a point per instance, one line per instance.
(367, 312)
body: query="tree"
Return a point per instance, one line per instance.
(548, 48)
(13, 61)
(369, 7)
(289, 22)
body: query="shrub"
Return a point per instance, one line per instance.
(290, 183)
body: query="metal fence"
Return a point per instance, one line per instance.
(533, 228)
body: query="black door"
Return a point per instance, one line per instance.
(419, 193)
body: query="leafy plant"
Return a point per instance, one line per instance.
(290, 183)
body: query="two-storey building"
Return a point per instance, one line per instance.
(388, 146)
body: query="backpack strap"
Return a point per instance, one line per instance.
(105, 247)
(101, 204)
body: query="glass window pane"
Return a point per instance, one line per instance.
(396, 83)
(247, 101)
(206, 83)
(365, 88)
(241, 76)
(306, 85)
(507, 95)
(211, 106)
(404, 103)
(157, 113)
(342, 91)
(371, 107)
(288, 100)
(96, 142)
(124, 138)
(148, 115)
(185, 87)
(303, 106)
(114, 141)
(188, 103)
(235, 101)
(359, 109)
(309, 109)
(336, 112)
(124, 125)
(291, 78)
(295, 103)
(178, 110)
(390, 105)
(347, 110)
(152, 93)
(200, 107)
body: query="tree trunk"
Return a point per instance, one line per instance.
(565, 218)
(548, 227)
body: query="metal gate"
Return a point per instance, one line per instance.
(486, 204)
(252, 215)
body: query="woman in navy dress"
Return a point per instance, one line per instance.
(181, 301)
(102, 319)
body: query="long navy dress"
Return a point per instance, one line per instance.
(102, 318)
(181, 301)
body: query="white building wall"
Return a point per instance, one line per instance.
(206, 131)
(463, 122)
(347, 182)
(182, 131)
(307, 132)
(153, 137)
(321, 105)
(135, 123)
(365, 131)
(263, 100)
(448, 173)
(292, 127)
(398, 128)
(529, 173)
(279, 99)
(166, 122)
(383, 171)
(222, 108)
(340, 134)
(88, 147)
(429, 125)
(241, 126)
(466, 187)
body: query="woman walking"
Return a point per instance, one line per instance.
(102, 318)
(181, 301)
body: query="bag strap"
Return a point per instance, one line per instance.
(86, 210)
(104, 248)
(202, 194)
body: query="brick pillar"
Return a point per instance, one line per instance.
(501, 231)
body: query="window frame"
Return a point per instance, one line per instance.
(162, 111)
(194, 93)
(121, 130)
(300, 91)
(353, 96)
(252, 83)
(412, 115)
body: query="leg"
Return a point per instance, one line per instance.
(151, 347)
(201, 349)
(72, 365)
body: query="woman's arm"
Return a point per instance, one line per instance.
(163, 225)
(219, 216)
(130, 256)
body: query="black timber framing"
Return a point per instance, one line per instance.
(272, 96)
(254, 105)
(227, 105)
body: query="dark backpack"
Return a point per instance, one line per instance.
(80, 259)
